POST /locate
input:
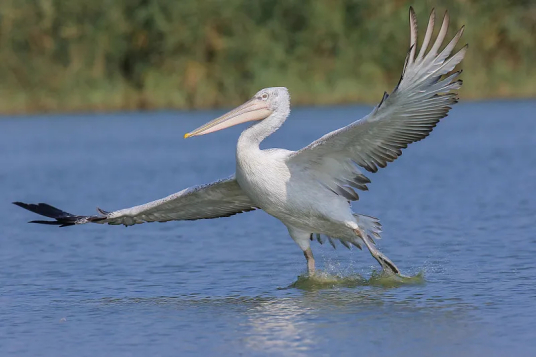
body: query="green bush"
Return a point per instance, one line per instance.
(59, 55)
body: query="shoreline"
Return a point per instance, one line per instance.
(140, 103)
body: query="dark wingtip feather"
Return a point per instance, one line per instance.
(20, 204)
(62, 218)
(385, 96)
(103, 212)
(44, 210)
(52, 223)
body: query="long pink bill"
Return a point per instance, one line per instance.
(252, 110)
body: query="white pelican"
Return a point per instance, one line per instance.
(310, 190)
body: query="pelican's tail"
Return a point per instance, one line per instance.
(370, 225)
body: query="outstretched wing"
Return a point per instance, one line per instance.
(422, 97)
(219, 199)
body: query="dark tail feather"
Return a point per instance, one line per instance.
(62, 218)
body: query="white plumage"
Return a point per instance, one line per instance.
(309, 190)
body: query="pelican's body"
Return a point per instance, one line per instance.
(290, 194)
(310, 190)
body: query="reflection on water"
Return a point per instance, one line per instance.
(314, 319)
(299, 322)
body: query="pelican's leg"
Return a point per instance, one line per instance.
(386, 263)
(303, 240)
(310, 261)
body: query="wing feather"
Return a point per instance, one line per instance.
(428, 36)
(423, 96)
(222, 198)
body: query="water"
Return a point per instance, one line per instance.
(457, 209)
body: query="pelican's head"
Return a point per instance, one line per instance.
(261, 106)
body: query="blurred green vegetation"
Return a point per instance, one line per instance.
(68, 55)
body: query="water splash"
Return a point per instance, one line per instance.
(325, 280)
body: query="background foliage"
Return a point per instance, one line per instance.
(58, 55)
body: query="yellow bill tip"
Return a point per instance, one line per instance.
(187, 135)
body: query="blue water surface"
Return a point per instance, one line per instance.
(458, 208)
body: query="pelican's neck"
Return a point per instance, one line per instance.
(255, 134)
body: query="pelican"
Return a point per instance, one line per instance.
(310, 190)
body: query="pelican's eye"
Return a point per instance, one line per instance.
(264, 96)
